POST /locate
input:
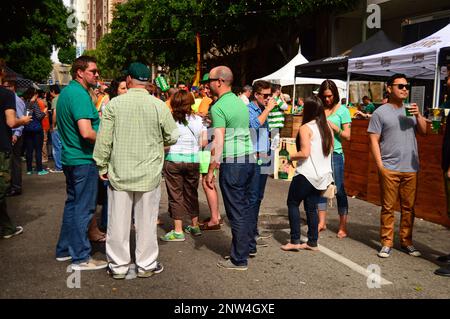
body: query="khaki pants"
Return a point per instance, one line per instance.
(146, 206)
(394, 185)
(44, 148)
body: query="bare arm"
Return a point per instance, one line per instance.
(345, 133)
(375, 149)
(54, 118)
(14, 122)
(305, 142)
(86, 130)
(216, 154)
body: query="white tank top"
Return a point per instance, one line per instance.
(316, 168)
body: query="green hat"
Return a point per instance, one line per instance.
(205, 78)
(139, 71)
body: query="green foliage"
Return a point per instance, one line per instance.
(163, 32)
(29, 30)
(67, 55)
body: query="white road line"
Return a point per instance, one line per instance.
(352, 265)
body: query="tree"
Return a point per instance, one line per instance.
(67, 55)
(29, 31)
(163, 32)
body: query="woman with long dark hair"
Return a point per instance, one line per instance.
(118, 86)
(312, 175)
(33, 132)
(339, 119)
(181, 167)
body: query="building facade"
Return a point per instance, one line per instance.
(99, 17)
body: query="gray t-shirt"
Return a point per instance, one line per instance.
(398, 142)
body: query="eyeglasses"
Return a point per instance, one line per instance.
(402, 86)
(212, 80)
(265, 96)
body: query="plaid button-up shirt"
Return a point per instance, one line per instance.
(130, 143)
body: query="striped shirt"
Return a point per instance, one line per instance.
(276, 116)
(130, 143)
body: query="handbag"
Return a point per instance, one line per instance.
(330, 192)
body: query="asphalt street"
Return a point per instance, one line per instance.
(343, 268)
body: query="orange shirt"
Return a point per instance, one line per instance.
(204, 105)
(168, 105)
(45, 122)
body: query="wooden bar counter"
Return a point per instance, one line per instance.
(361, 175)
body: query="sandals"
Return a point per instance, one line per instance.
(205, 226)
(98, 238)
(206, 221)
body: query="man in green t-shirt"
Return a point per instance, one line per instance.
(78, 123)
(237, 179)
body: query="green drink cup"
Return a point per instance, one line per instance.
(407, 107)
(436, 125)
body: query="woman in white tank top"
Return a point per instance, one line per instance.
(312, 175)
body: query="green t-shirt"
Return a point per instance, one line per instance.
(231, 113)
(75, 103)
(369, 108)
(339, 118)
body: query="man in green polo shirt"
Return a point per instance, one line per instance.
(233, 152)
(78, 123)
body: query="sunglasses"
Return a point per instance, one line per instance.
(266, 95)
(212, 79)
(93, 71)
(402, 86)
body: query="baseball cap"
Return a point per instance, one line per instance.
(138, 71)
(205, 78)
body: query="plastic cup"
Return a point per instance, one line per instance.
(436, 124)
(407, 107)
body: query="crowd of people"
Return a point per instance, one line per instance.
(116, 144)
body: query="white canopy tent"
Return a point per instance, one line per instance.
(416, 60)
(286, 76)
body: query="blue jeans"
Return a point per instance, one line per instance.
(300, 190)
(81, 185)
(237, 182)
(255, 199)
(341, 195)
(57, 147)
(33, 143)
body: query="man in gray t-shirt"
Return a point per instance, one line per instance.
(392, 133)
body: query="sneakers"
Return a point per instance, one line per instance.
(56, 170)
(43, 172)
(148, 273)
(19, 230)
(66, 258)
(116, 276)
(227, 264)
(91, 264)
(412, 251)
(29, 172)
(193, 230)
(385, 252)
(173, 236)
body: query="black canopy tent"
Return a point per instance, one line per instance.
(336, 67)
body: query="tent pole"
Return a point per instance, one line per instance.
(347, 84)
(293, 93)
(437, 82)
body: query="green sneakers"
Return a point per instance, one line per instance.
(193, 230)
(173, 236)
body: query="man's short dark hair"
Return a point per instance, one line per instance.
(81, 63)
(396, 76)
(55, 88)
(261, 85)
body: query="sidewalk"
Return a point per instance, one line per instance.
(339, 270)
